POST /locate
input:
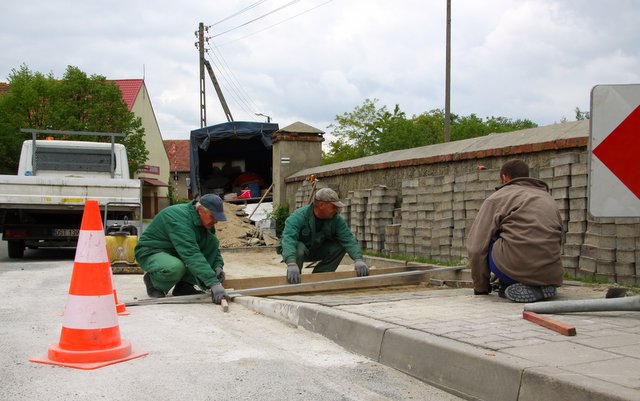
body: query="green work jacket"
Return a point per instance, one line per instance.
(300, 226)
(178, 231)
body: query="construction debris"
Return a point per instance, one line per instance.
(238, 231)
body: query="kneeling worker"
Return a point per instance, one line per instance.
(317, 232)
(179, 249)
(517, 235)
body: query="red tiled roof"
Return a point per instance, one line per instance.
(4, 88)
(178, 152)
(130, 89)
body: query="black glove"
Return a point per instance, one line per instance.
(219, 273)
(293, 273)
(218, 293)
(361, 268)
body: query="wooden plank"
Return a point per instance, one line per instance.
(374, 280)
(399, 278)
(549, 323)
(225, 305)
(253, 282)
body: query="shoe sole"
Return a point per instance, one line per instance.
(523, 293)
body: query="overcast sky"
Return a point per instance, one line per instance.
(310, 60)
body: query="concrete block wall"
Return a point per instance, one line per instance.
(430, 216)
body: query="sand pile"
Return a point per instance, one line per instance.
(238, 231)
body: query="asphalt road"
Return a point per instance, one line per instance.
(196, 352)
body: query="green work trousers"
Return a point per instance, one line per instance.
(166, 270)
(330, 253)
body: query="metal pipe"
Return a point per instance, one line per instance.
(586, 305)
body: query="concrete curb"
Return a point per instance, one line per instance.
(550, 383)
(464, 370)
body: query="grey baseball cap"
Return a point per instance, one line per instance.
(328, 195)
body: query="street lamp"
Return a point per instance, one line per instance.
(264, 115)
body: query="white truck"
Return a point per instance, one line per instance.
(42, 205)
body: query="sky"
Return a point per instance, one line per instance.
(312, 60)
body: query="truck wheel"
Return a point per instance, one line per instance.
(16, 249)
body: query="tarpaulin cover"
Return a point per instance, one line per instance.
(203, 138)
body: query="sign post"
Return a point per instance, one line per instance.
(614, 151)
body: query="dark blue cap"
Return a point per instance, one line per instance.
(215, 205)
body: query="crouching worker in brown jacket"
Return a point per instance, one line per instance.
(514, 242)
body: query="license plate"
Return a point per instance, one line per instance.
(66, 232)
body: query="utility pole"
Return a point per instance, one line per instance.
(205, 63)
(447, 90)
(203, 101)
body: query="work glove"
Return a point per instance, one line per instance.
(219, 273)
(218, 293)
(361, 268)
(293, 273)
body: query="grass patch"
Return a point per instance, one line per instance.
(594, 281)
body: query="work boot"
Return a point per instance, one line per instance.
(184, 288)
(151, 290)
(519, 292)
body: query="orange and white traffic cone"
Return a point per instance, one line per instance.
(90, 336)
(121, 308)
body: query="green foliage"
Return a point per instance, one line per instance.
(369, 130)
(582, 115)
(472, 126)
(173, 197)
(279, 214)
(76, 102)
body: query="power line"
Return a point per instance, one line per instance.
(233, 90)
(276, 24)
(218, 54)
(257, 3)
(237, 92)
(256, 19)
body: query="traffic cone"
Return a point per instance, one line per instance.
(90, 336)
(121, 308)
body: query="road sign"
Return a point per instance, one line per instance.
(614, 151)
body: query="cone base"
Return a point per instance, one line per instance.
(88, 360)
(121, 309)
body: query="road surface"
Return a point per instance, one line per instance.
(196, 352)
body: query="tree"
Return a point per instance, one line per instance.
(369, 130)
(77, 102)
(356, 133)
(582, 115)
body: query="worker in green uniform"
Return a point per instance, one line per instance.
(317, 232)
(179, 249)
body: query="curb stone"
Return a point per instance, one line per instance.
(464, 370)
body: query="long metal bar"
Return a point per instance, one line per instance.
(328, 285)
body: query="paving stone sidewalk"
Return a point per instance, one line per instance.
(478, 347)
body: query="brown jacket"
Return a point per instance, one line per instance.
(528, 221)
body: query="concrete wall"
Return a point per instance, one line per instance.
(421, 202)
